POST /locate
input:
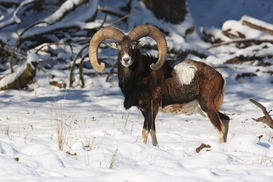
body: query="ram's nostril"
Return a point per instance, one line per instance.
(126, 60)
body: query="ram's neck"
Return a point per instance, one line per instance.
(129, 79)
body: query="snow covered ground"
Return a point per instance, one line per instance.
(103, 140)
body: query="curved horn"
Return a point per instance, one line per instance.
(151, 31)
(99, 36)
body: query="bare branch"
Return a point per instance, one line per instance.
(104, 20)
(111, 71)
(268, 120)
(81, 70)
(110, 12)
(18, 39)
(127, 16)
(22, 40)
(16, 54)
(73, 65)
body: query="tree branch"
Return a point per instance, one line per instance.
(267, 120)
(18, 39)
(73, 65)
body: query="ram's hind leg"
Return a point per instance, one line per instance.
(225, 120)
(153, 135)
(220, 127)
(145, 134)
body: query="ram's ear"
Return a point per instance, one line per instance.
(114, 45)
(141, 44)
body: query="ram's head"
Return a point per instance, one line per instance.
(127, 45)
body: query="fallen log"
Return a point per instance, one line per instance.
(257, 24)
(214, 35)
(65, 8)
(238, 29)
(247, 42)
(243, 59)
(20, 78)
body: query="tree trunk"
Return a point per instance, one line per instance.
(173, 11)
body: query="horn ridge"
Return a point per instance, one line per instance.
(153, 32)
(98, 37)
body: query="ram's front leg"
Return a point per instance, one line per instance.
(149, 126)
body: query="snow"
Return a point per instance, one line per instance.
(103, 140)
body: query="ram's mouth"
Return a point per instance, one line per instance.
(127, 60)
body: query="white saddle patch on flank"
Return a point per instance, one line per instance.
(185, 72)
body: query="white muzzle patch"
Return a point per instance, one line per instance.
(185, 72)
(126, 60)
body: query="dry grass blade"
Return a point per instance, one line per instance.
(62, 126)
(113, 159)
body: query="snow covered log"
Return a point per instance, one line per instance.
(214, 35)
(252, 53)
(63, 24)
(233, 29)
(257, 24)
(243, 41)
(238, 29)
(22, 75)
(65, 8)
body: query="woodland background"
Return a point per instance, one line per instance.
(62, 121)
